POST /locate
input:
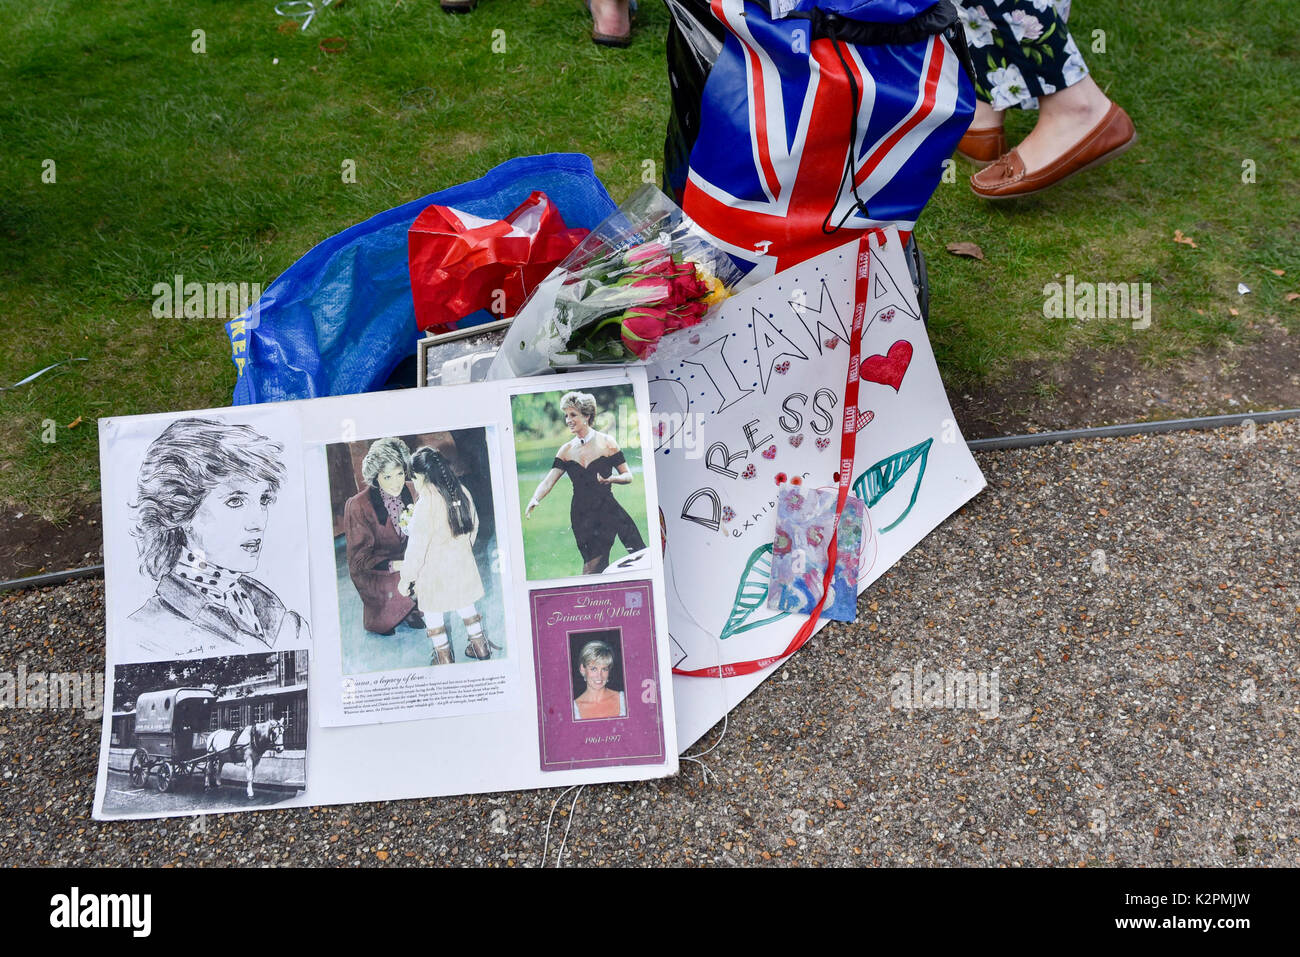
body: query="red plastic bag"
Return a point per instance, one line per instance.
(461, 263)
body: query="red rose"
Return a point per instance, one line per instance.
(653, 290)
(687, 287)
(643, 327)
(687, 314)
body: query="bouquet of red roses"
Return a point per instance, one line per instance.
(618, 309)
(641, 276)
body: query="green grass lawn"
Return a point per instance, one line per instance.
(225, 166)
(549, 547)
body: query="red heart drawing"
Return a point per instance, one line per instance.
(832, 342)
(796, 440)
(749, 472)
(769, 452)
(890, 369)
(823, 442)
(864, 419)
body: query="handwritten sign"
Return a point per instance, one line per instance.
(763, 396)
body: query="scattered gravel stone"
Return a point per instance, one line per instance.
(1136, 599)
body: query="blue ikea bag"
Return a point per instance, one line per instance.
(340, 319)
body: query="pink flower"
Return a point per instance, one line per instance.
(662, 267)
(646, 252)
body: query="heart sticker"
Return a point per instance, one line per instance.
(864, 419)
(888, 369)
(796, 440)
(783, 367)
(823, 442)
(832, 342)
(749, 472)
(769, 452)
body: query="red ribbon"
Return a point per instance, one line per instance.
(848, 445)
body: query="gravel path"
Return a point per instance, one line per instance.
(1136, 601)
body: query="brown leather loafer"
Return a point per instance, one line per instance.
(982, 147)
(1007, 178)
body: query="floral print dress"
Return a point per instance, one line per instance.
(1021, 50)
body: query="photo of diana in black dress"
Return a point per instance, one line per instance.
(594, 464)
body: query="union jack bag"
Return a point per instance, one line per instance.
(789, 135)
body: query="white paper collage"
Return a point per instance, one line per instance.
(513, 584)
(384, 596)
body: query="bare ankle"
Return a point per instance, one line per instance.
(1083, 101)
(609, 16)
(987, 118)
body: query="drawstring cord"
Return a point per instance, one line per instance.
(855, 104)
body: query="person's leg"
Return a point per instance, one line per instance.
(984, 140)
(1025, 58)
(611, 18)
(987, 118)
(441, 653)
(980, 33)
(478, 642)
(1064, 118)
(627, 532)
(1021, 51)
(596, 565)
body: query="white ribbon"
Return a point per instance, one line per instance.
(307, 9)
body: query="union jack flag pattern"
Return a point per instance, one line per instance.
(767, 170)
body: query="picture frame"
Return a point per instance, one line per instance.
(460, 356)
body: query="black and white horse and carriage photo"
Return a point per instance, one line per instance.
(204, 745)
(172, 740)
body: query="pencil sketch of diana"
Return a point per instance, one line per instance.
(203, 497)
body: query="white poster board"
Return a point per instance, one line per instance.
(760, 400)
(285, 642)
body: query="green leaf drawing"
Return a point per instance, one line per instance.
(872, 484)
(752, 594)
